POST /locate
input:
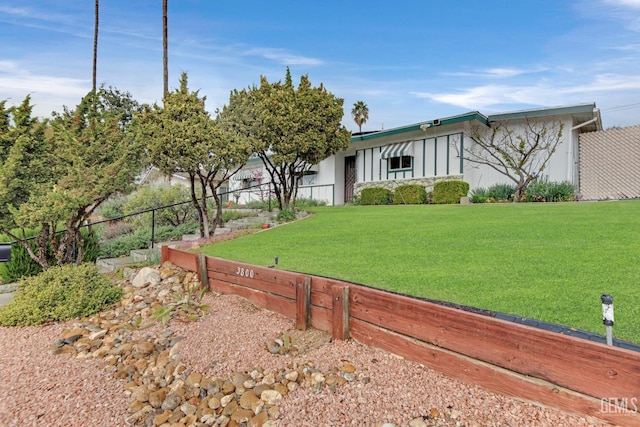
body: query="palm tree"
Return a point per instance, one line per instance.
(360, 114)
(95, 47)
(165, 60)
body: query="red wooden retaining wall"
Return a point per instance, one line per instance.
(556, 370)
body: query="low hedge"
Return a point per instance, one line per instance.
(375, 196)
(409, 194)
(449, 192)
(59, 293)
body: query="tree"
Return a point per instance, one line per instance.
(295, 128)
(95, 45)
(360, 114)
(165, 47)
(58, 172)
(182, 137)
(519, 155)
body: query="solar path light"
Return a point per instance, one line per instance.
(607, 316)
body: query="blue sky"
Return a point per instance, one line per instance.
(409, 61)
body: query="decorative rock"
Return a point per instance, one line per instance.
(146, 276)
(214, 402)
(157, 397)
(193, 379)
(271, 397)
(249, 400)
(161, 418)
(258, 420)
(188, 409)
(171, 402)
(242, 415)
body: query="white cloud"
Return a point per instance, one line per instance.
(634, 4)
(541, 93)
(283, 57)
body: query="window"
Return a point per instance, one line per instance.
(400, 163)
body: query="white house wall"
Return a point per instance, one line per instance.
(562, 166)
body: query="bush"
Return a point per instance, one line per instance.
(502, 192)
(286, 215)
(116, 229)
(149, 197)
(141, 239)
(22, 265)
(449, 192)
(541, 190)
(112, 208)
(479, 195)
(375, 196)
(58, 294)
(308, 203)
(410, 194)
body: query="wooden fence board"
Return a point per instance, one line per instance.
(485, 375)
(267, 279)
(278, 304)
(580, 365)
(186, 260)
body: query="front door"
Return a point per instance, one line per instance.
(349, 177)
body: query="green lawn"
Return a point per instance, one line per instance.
(544, 261)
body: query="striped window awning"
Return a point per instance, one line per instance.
(397, 150)
(248, 174)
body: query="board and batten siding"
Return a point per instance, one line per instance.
(432, 157)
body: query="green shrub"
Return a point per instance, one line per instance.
(302, 203)
(375, 196)
(449, 192)
(410, 194)
(541, 190)
(479, 195)
(141, 239)
(149, 197)
(112, 208)
(501, 192)
(22, 265)
(286, 215)
(58, 294)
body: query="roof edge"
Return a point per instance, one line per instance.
(472, 115)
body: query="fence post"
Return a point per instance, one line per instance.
(153, 227)
(164, 254)
(303, 304)
(340, 312)
(201, 265)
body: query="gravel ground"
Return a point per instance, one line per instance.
(39, 389)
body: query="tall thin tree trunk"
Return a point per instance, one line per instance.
(165, 43)
(95, 47)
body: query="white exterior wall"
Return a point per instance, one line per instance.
(561, 167)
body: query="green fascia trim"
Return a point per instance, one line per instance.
(544, 112)
(467, 117)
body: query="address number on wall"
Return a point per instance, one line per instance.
(245, 272)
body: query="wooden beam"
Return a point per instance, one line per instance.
(201, 264)
(340, 315)
(303, 304)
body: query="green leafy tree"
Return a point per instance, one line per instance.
(520, 155)
(58, 172)
(182, 137)
(360, 114)
(295, 128)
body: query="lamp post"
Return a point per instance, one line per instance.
(607, 316)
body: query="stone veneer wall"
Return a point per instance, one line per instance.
(391, 184)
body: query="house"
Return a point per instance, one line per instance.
(426, 152)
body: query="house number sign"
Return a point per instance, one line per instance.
(245, 272)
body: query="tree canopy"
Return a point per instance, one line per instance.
(293, 129)
(181, 137)
(57, 172)
(360, 114)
